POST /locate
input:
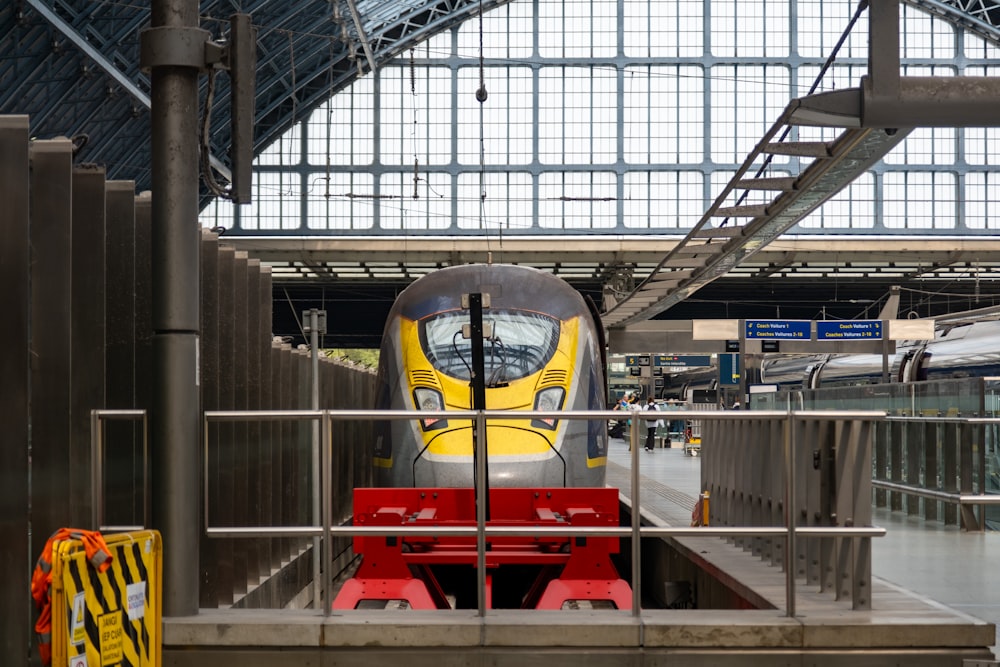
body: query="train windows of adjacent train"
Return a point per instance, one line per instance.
(522, 344)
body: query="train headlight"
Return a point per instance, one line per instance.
(548, 399)
(429, 399)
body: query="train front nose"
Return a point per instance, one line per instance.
(517, 457)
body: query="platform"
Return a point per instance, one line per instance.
(908, 624)
(921, 569)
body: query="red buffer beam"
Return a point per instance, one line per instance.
(573, 568)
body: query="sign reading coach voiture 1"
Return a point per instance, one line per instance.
(778, 329)
(111, 618)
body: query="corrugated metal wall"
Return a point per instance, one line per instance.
(75, 254)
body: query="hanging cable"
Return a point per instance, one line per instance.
(291, 67)
(413, 133)
(481, 96)
(205, 153)
(481, 93)
(329, 118)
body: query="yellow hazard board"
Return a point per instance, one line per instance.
(109, 619)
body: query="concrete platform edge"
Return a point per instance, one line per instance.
(695, 629)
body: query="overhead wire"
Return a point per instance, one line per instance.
(481, 96)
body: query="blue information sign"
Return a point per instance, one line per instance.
(849, 330)
(686, 360)
(778, 329)
(729, 369)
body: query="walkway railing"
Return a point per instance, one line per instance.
(98, 454)
(785, 527)
(756, 465)
(923, 462)
(937, 455)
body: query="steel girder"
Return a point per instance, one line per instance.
(73, 65)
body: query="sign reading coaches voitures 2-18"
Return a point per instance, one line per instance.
(849, 330)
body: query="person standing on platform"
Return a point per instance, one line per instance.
(651, 425)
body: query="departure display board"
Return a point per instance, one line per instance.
(685, 360)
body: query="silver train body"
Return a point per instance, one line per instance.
(545, 354)
(967, 350)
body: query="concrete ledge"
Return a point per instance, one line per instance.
(895, 630)
(655, 629)
(244, 627)
(395, 629)
(608, 629)
(720, 629)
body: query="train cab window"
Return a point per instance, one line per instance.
(522, 344)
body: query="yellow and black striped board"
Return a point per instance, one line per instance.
(109, 619)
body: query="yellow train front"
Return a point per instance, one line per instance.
(544, 353)
(541, 351)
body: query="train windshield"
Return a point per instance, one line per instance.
(522, 344)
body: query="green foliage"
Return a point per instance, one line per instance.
(363, 357)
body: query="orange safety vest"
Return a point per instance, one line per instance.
(99, 557)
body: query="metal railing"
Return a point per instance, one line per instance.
(325, 530)
(938, 459)
(974, 499)
(97, 451)
(756, 476)
(938, 452)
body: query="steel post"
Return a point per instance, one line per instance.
(636, 582)
(790, 548)
(316, 458)
(175, 314)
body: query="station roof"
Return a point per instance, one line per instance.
(72, 66)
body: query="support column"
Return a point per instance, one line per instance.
(175, 253)
(883, 48)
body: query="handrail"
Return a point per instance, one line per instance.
(481, 531)
(956, 473)
(959, 498)
(97, 418)
(325, 529)
(553, 531)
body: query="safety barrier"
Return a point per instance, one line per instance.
(924, 462)
(936, 455)
(111, 617)
(780, 524)
(816, 463)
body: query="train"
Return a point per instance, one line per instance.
(546, 352)
(964, 349)
(542, 350)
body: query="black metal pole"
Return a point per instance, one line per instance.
(175, 310)
(479, 388)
